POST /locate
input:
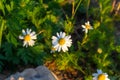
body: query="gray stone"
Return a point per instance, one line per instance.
(28, 72)
(39, 73)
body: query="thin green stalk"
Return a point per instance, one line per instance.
(40, 32)
(73, 7)
(76, 8)
(75, 65)
(2, 7)
(101, 17)
(79, 68)
(88, 3)
(84, 39)
(1, 30)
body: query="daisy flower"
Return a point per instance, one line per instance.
(61, 42)
(28, 36)
(53, 50)
(87, 26)
(100, 75)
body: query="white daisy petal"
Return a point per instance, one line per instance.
(31, 43)
(33, 37)
(25, 43)
(63, 35)
(95, 74)
(23, 31)
(61, 42)
(56, 46)
(21, 37)
(87, 27)
(59, 48)
(68, 37)
(58, 35)
(54, 38)
(64, 48)
(100, 75)
(107, 79)
(94, 79)
(99, 71)
(83, 26)
(28, 37)
(27, 31)
(68, 43)
(54, 43)
(87, 23)
(32, 33)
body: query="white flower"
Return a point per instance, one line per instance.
(28, 37)
(87, 26)
(53, 50)
(100, 75)
(61, 42)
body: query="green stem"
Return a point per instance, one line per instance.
(75, 64)
(40, 32)
(101, 17)
(73, 7)
(76, 8)
(87, 8)
(84, 39)
(1, 30)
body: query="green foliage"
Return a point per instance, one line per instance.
(2, 28)
(89, 51)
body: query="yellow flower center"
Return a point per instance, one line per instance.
(61, 41)
(99, 50)
(87, 26)
(101, 77)
(27, 38)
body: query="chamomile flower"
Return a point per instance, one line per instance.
(87, 27)
(53, 50)
(61, 42)
(28, 36)
(100, 75)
